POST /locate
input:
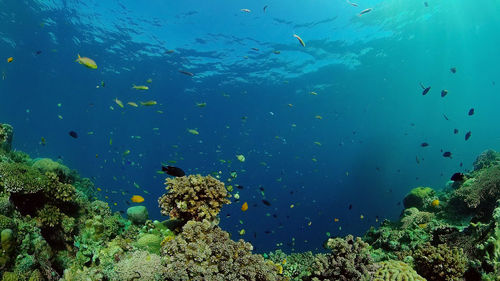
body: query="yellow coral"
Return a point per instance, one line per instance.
(396, 271)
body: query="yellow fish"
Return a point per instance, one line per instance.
(140, 87)
(318, 117)
(88, 62)
(201, 104)
(131, 103)
(313, 93)
(148, 103)
(149, 80)
(317, 143)
(240, 157)
(137, 199)
(119, 102)
(193, 132)
(10, 59)
(300, 40)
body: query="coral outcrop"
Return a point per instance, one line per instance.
(6, 133)
(193, 198)
(392, 270)
(440, 263)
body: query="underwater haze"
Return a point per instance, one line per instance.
(331, 127)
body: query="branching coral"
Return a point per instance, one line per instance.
(140, 265)
(193, 198)
(440, 263)
(295, 266)
(21, 178)
(349, 260)
(203, 251)
(395, 271)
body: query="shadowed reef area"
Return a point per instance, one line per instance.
(52, 228)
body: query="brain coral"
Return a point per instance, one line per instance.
(440, 263)
(203, 251)
(349, 260)
(392, 270)
(193, 198)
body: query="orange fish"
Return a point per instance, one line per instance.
(137, 199)
(335, 220)
(244, 207)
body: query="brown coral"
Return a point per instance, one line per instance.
(193, 198)
(349, 260)
(440, 263)
(203, 251)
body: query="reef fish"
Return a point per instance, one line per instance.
(140, 87)
(73, 134)
(10, 59)
(453, 70)
(137, 199)
(88, 62)
(424, 144)
(244, 207)
(186, 73)
(173, 171)
(444, 93)
(467, 135)
(365, 11)
(300, 40)
(425, 89)
(447, 154)
(457, 177)
(148, 103)
(471, 111)
(267, 203)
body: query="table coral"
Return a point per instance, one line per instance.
(349, 260)
(203, 251)
(392, 270)
(193, 198)
(440, 263)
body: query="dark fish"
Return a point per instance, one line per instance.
(424, 144)
(267, 203)
(173, 171)
(255, 49)
(447, 154)
(425, 89)
(457, 177)
(264, 9)
(275, 216)
(455, 131)
(426, 4)
(73, 134)
(453, 70)
(261, 188)
(471, 111)
(239, 186)
(444, 93)
(255, 235)
(267, 232)
(350, 206)
(38, 52)
(461, 164)
(467, 136)
(445, 117)
(186, 73)
(416, 159)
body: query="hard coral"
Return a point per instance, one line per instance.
(296, 266)
(45, 165)
(21, 178)
(140, 265)
(6, 132)
(418, 197)
(193, 198)
(395, 271)
(349, 260)
(202, 251)
(486, 159)
(440, 263)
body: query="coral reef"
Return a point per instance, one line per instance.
(349, 260)
(137, 214)
(6, 133)
(202, 251)
(486, 159)
(440, 263)
(296, 266)
(419, 197)
(193, 198)
(395, 271)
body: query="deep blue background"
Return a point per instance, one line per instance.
(365, 69)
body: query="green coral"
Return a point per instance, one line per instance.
(45, 165)
(392, 270)
(486, 159)
(6, 133)
(440, 263)
(150, 243)
(418, 197)
(6, 207)
(139, 265)
(50, 216)
(296, 266)
(193, 198)
(59, 191)
(10, 276)
(21, 178)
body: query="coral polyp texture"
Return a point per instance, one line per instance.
(52, 228)
(193, 197)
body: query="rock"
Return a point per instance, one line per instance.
(137, 214)
(6, 132)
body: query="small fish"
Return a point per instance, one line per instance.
(148, 103)
(424, 144)
(137, 199)
(244, 207)
(317, 143)
(313, 93)
(73, 134)
(201, 104)
(9, 60)
(264, 9)
(239, 186)
(417, 160)
(42, 141)
(240, 157)
(119, 102)
(467, 135)
(319, 117)
(425, 89)
(245, 10)
(350, 207)
(193, 132)
(173, 171)
(88, 62)
(471, 111)
(300, 40)
(455, 131)
(352, 4)
(277, 52)
(453, 70)
(457, 177)
(365, 11)
(186, 73)
(140, 87)
(445, 117)
(267, 203)
(444, 93)
(426, 4)
(38, 52)
(447, 154)
(169, 51)
(149, 81)
(131, 103)
(255, 49)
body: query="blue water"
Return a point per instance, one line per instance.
(366, 71)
